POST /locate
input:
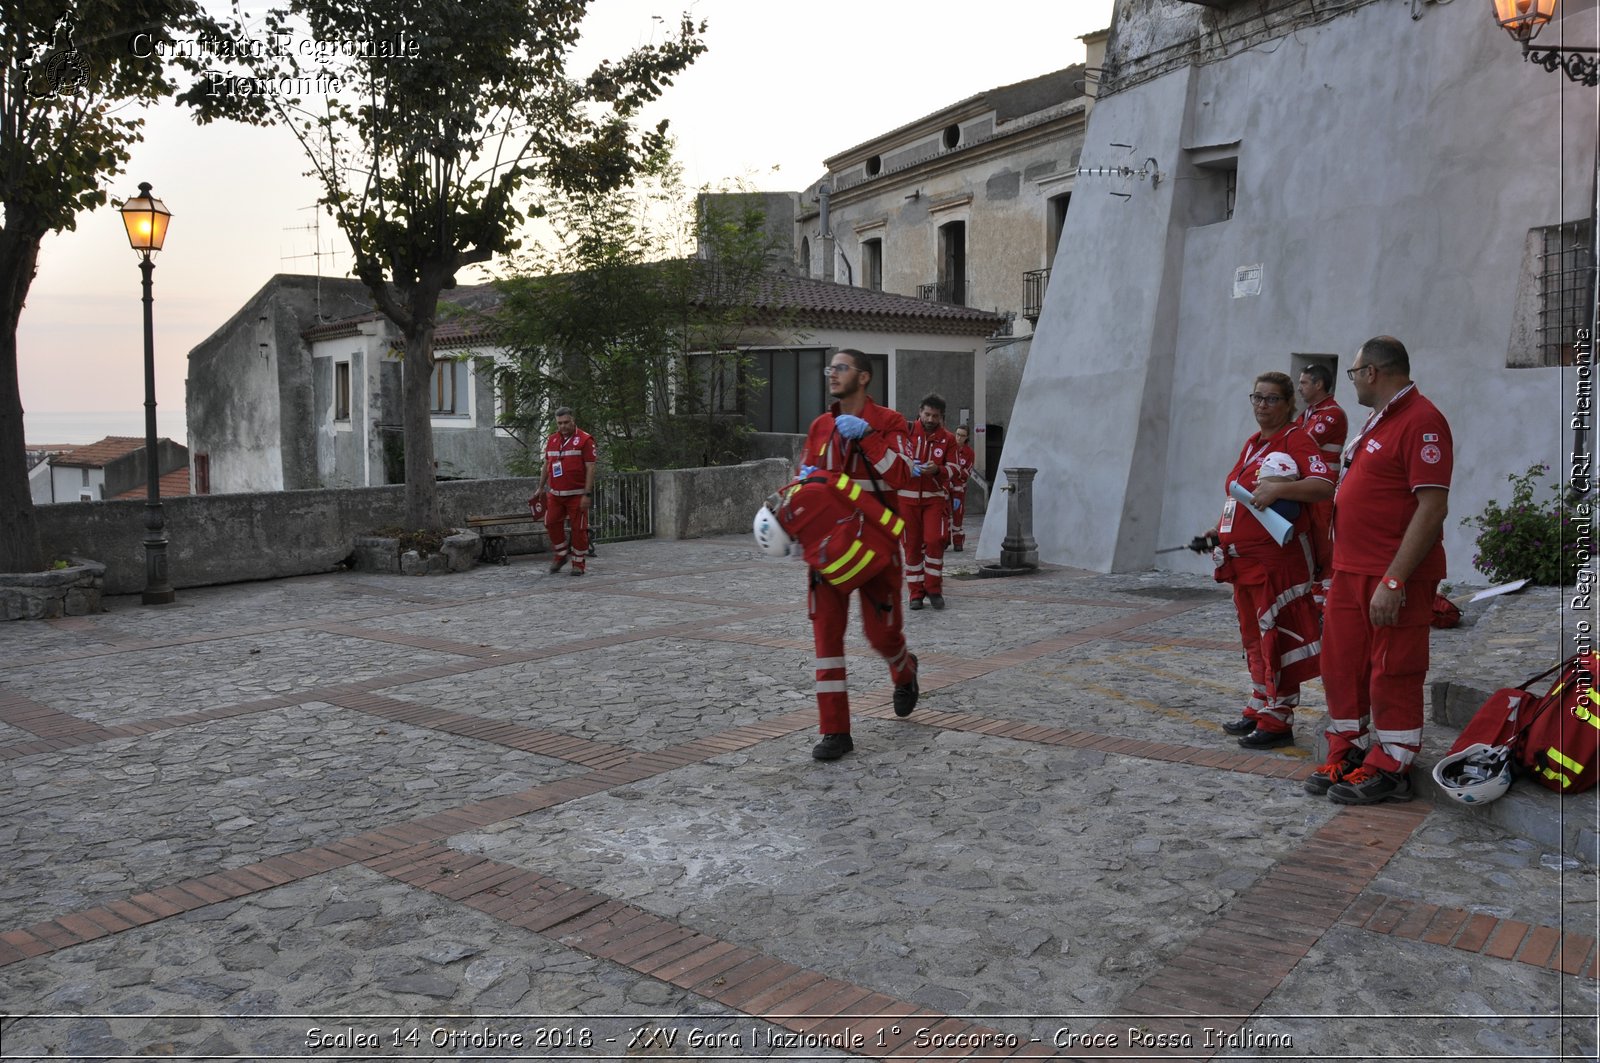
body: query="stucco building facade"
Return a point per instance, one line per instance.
(964, 206)
(282, 398)
(1312, 175)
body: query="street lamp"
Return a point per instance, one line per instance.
(145, 218)
(1523, 19)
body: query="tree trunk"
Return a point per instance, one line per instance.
(20, 550)
(422, 491)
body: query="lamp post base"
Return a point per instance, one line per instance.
(157, 580)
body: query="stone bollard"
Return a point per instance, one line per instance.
(1019, 552)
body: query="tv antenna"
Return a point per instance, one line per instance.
(315, 229)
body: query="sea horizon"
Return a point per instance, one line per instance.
(58, 427)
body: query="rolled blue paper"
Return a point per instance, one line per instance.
(1276, 526)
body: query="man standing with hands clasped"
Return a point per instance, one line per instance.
(1388, 558)
(861, 440)
(569, 460)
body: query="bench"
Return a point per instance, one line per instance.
(499, 527)
(495, 529)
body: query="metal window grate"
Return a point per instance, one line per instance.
(1566, 289)
(1034, 282)
(622, 507)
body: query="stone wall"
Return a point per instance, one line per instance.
(690, 503)
(268, 535)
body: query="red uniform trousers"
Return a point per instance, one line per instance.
(1279, 628)
(958, 513)
(883, 622)
(559, 510)
(1373, 676)
(923, 541)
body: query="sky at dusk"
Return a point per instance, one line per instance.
(780, 89)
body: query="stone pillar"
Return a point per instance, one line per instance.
(1018, 549)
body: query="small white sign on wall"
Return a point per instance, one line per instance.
(1247, 281)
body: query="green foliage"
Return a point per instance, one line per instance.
(645, 345)
(1526, 539)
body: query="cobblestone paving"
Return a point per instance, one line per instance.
(1445, 1005)
(636, 829)
(351, 951)
(140, 813)
(652, 695)
(993, 898)
(542, 621)
(1464, 863)
(225, 671)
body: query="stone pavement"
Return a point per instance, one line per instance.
(507, 815)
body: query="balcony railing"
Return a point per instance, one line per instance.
(938, 292)
(1034, 283)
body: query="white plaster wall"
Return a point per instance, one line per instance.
(1389, 171)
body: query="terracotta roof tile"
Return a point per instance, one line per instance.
(174, 484)
(97, 455)
(778, 298)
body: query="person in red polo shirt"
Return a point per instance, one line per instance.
(865, 442)
(1324, 421)
(1272, 581)
(568, 476)
(1388, 559)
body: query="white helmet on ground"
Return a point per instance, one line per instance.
(1476, 775)
(770, 536)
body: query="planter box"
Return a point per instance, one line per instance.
(71, 591)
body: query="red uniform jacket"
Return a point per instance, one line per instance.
(1327, 426)
(938, 450)
(876, 461)
(565, 460)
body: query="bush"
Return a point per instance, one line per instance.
(1524, 540)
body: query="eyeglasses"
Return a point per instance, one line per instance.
(1350, 374)
(1265, 400)
(835, 370)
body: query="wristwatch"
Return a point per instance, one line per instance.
(1391, 583)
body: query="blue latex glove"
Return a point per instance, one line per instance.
(807, 470)
(955, 503)
(917, 468)
(849, 426)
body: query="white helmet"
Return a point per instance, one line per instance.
(1280, 464)
(770, 536)
(1476, 775)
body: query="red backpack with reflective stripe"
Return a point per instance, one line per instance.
(1554, 737)
(1561, 744)
(848, 536)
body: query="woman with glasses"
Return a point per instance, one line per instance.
(1279, 467)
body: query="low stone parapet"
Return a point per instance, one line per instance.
(71, 591)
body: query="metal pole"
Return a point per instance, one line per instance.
(157, 586)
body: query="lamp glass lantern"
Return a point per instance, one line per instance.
(1523, 19)
(145, 217)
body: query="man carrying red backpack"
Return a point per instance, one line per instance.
(864, 442)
